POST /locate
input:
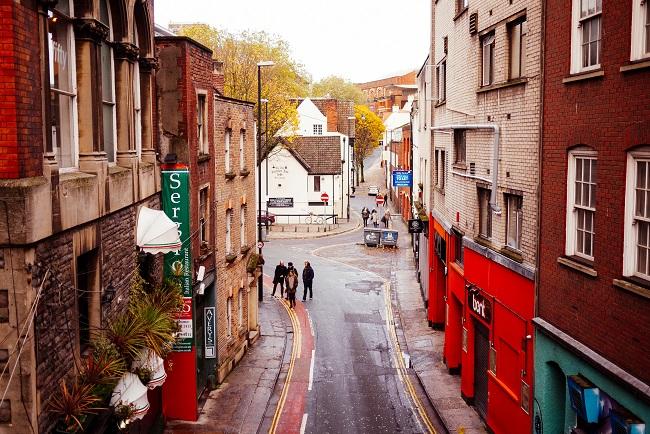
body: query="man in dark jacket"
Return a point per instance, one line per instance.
(278, 278)
(307, 280)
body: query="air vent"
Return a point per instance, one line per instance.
(473, 23)
(444, 43)
(472, 168)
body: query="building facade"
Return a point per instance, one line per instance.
(384, 94)
(483, 231)
(77, 161)
(594, 281)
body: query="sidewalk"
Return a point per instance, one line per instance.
(239, 403)
(279, 232)
(424, 344)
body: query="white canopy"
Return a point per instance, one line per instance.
(157, 233)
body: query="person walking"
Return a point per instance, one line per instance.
(278, 278)
(307, 280)
(386, 219)
(365, 214)
(374, 219)
(292, 284)
(289, 268)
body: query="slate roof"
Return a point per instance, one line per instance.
(320, 155)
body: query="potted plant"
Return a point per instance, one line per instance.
(73, 404)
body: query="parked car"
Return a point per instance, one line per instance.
(266, 218)
(373, 190)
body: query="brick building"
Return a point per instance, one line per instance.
(77, 160)
(485, 62)
(384, 94)
(594, 282)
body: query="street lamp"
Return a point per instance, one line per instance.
(351, 163)
(260, 287)
(266, 144)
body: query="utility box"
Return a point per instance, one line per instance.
(371, 237)
(389, 237)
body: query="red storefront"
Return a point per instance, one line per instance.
(437, 273)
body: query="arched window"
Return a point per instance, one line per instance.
(63, 89)
(137, 105)
(108, 85)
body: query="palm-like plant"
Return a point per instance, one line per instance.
(126, 333)
(73, 405)
(158, 326)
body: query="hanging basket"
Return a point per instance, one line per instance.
(132, 393)
(148, 359)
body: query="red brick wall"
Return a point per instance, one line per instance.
(21, 134)
(611, 114)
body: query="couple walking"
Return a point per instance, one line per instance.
(374, 217)
(289, 276)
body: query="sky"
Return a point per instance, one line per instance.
(360, 40)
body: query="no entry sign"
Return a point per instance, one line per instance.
(324, 197)
(379, 199)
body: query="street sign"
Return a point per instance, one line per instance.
(379, 199)
(210, 338)
(416, 226)
(280, 202)
(402, 178)
(260, 244)
(324, 197)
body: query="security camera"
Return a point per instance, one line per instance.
(200, 274)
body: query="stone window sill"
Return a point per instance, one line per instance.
(512, 253)
(636, 65)
(460, 13)
(460, 166)
(510, 83)
(582, 76)
(440, 103)
(203, 158)
(632, 287)
(577, 266)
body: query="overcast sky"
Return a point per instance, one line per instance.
(361, 40)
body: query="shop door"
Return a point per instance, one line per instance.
(199, 336)
(481, 354)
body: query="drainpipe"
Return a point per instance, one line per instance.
(495, 154)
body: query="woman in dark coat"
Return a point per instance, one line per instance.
(292, 284)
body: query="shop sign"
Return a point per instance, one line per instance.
(175, 203)
(416, 226)
(210, 341)
(402, 178)
(280, 202)
(480, 305)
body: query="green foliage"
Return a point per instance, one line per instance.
(369, 128)
(73, 404)
(339, 88)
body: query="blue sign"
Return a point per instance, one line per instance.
(402, 178)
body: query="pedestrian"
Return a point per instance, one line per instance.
(385, 199)
(386, 219)
(278, 278)
(365, 214)
(289, 268)
(307, 280)
(374, 219)
(292, 284)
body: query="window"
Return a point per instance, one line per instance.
(204, 220)
(581, 204)
(488, 59)
(640, 30)
(318, 129)
(201, 124)
(459, 250)
(227, 149)
(88, 289)
(229, 232)
(440, 169)
(461, 5)
(514, 218)
(485, 213)
(441, 74)
(242, 225)
(229, 318)
(137, 106)
(63, 91)
(242, 141)
(586, 35)
(240, 306)
(108, 86)
(518, 31)
(459, 146)
(317, 183)
(636, 257)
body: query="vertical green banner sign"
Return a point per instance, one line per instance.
(176, 204)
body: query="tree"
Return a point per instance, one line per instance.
(368, 130)
(338, 88)
(240, 54)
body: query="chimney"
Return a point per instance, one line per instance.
(218, 79)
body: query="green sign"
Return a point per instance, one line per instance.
(176, 204)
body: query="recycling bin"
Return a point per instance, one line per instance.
(389, 237)
(371, 237)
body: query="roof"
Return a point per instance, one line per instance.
(320, 155)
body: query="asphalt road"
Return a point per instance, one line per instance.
(356, 386)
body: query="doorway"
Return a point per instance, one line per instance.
(481, 354)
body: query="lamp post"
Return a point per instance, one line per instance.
(350, 160)
(260, 287)
(266, 144)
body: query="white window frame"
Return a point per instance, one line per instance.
(242, 149)
(571, 248)
(202, 122)
(576, 37)
(441, 80)
(227, 139)
(229, 317)
(514, 200)
(640, 47)
(229, 232)
(72, 121)
(631, 226)
(318, 129)
(113, 102)
(242, 225)
(488, 48)
(240, 306)
(441, 162)
(517, 45)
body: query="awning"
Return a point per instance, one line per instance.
(157, 233)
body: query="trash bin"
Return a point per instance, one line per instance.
(371, 237)
(389, 237)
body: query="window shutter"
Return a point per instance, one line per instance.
(473, 23)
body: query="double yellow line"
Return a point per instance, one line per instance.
(399, 361)
(296, 348)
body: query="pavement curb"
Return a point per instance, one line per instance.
(319, 235)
